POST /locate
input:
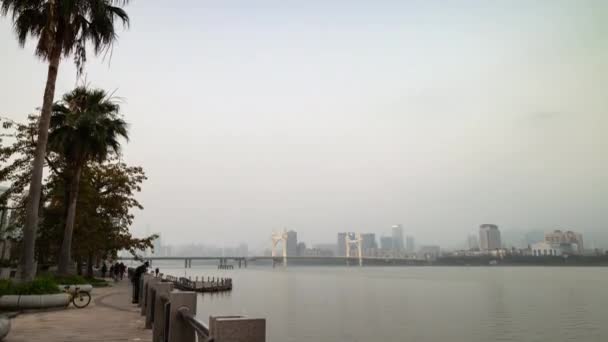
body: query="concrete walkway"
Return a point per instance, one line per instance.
(110, 317)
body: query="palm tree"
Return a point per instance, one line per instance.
(85, 126)
(62, 28)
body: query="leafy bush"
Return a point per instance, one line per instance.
(37, 287)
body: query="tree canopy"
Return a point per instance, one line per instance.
(106, 198)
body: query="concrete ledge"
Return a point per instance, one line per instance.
(5, 326)
(84, 287)
(237, 329)
(34, 301)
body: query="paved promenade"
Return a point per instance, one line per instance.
(110, 317)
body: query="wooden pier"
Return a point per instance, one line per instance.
(212, 284)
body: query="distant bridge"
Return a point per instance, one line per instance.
(333, 260)
(351, 243)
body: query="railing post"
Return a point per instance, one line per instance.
(158, 332)
(150, 298)
(140, 294)
(143, 294)
(237, 329)
(179, 330)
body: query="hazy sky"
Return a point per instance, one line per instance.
(325, 116)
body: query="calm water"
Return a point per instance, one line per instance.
(339, 304)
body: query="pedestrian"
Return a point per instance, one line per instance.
(139, 271)
(156, 271)
(116, 272)
(122, 269)
(111, 273)
(104, 269)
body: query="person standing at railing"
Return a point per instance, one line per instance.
(122, 268)
(139, 271)
(116, 274)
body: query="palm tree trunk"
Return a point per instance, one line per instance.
(79, 266)
(66, 246)
(28, 269)
(90, 265)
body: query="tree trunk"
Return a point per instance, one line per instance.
(65, 258)
(90, 266)
(79, 266)
(28, 270)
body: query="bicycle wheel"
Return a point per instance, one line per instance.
(81, 299)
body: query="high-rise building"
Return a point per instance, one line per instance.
(397, 235)
(368, 241)
(301, 249)
(410, 244)
(158, 246)
(568, 237)
(292, 243)
(368, 244)
(472, 242)
(386, 243)
(340, 246)
(489, 237)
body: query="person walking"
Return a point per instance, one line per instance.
(137, 274)
(156, 271)
(116, 272)
(104, 269)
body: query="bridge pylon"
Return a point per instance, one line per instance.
(357, 241)
(276, 238)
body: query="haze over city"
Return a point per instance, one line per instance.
(327, 117)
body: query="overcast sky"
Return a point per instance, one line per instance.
(324, 116)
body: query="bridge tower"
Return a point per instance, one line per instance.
(357, 241)
(276, 238)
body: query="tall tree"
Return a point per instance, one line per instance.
(85, 126)
(62, 28)
(106, 200)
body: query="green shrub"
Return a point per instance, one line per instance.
(96, 282)
(37, 287)
(70, 280)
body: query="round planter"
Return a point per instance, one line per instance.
(26, 302)
(83, 287)
(5, 326)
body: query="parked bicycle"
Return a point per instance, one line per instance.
(79, 298)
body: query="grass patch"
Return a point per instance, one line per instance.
(96, 282)
(39, 286)
(76, 280)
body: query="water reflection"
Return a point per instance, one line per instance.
(338, 304)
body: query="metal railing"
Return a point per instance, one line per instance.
(171, 313)
(202, 330)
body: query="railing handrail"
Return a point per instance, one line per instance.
(202, 330)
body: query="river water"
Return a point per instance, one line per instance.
(435, 304)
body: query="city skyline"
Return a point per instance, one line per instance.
(488, 240)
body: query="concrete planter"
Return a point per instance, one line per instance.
(26, 302)
(5, 273)
(85, 287)
(5, 326)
